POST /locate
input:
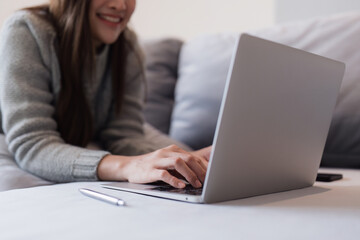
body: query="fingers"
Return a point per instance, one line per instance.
(207, 152)
(156, 166)
(189, 168)
(197, 166)
(165, 176)
(204, 153)
(174, 151)
(190, 173)
(204, 164)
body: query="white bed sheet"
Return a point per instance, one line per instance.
(325, 211)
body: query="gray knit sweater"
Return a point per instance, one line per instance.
(29, 89)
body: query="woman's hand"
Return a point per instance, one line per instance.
(156, 166)
(204, 153)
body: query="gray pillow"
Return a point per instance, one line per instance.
(161, 64)
(203, 68)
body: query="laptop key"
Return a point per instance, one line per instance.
(187, 190)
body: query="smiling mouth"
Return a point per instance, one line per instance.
(111, 19)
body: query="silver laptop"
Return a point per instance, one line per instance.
(272, 127)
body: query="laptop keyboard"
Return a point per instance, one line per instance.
(190, 190)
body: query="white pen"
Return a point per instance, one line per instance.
(102, 197)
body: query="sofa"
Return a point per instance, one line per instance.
(185, 83)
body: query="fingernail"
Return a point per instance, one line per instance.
(198, 183)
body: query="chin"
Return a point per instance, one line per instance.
(110, 40)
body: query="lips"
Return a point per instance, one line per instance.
(110, 18)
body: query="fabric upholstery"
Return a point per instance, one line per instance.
(161, 61)
(203, 70)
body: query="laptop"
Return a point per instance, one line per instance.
(273, 122)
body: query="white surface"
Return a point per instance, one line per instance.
(8, 7)
(326, 211)
(188, 18)
(184, 19)
(293, 10)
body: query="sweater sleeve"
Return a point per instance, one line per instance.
(27, 105)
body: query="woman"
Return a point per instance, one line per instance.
(72, 75)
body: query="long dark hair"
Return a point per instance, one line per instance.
(76, 55)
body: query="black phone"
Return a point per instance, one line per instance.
(328, 177)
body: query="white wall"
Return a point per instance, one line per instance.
(188, 18)
(184, 18)
(8, 7)
(294, 10)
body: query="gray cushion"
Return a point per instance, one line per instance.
(203, 69)
(161, 61)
